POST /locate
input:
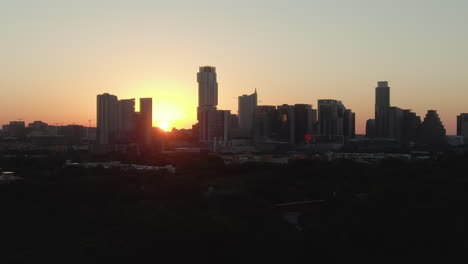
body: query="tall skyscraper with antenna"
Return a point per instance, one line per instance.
(382, 108)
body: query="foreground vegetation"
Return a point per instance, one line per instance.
(212, 211)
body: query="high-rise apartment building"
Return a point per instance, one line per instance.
(107, 118)
(247, 108)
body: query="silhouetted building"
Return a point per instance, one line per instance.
(146, 119)
(222, 125)
(305, 119)
(207, 102)
(233, 126)
(331, 118)
(73, 134)
(370, 128)
(16, 129)
(218, 125)
(395, 123)
(38, 126)
(206, 119)
(349, 127)
(247, 107)
(431, 132)
(126, 120)
(382, 105)
(264, 122)
(207, 86)
(107, 114)
(284, 124)
(462, 125)
(411, 122)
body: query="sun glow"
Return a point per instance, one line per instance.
(166, 126)
(168, 114)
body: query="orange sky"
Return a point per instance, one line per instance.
(56, 56)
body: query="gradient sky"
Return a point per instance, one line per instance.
(56, 56)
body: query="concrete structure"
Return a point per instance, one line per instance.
(382, 105)
(247, 106)
(107, 114)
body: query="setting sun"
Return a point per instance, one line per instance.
(166, 126)
(170, 113)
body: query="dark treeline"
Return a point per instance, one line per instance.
(209, 211)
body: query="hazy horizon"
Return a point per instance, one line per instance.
(56, 56)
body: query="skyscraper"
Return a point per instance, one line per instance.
(411, 122)
(146, 119)
(349, 127)
(462, 125)
(264, 122)
(207, 86)
(305, 118)
(107, 114)
(207, 102)
(329, 117)
(395, 123)
(126, 119)
(247, 106)
(284, 125)
(370, 128)
(382, 105)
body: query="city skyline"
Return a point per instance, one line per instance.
(292, 53)
(167, 124)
